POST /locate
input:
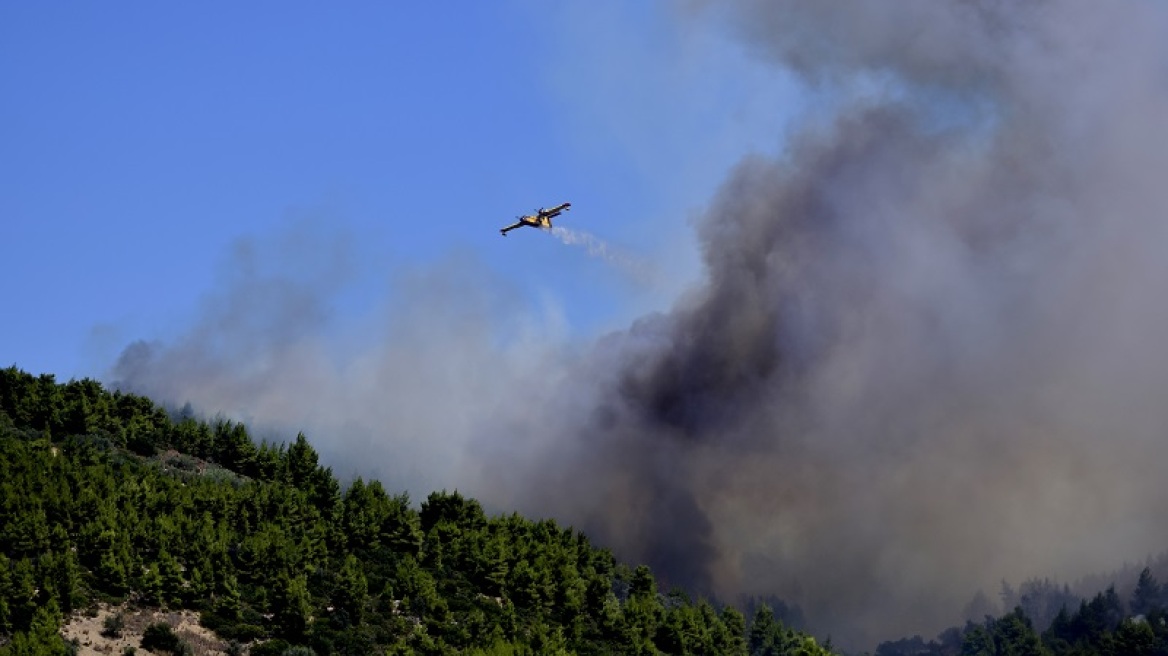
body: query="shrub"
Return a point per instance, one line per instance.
(274, 647)
(160, 637)
(112, 626)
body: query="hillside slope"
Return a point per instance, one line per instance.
(107, 498)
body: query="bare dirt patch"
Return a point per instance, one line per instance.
(87, 630)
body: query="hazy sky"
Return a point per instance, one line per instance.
(141, 141)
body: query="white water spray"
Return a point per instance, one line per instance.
(600, 249)
(595, 246)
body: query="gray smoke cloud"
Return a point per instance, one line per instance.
(397, 393)
(926, 354)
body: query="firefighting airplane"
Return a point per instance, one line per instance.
(541, 219)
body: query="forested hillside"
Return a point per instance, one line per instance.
(107, 497)
(1105, 624)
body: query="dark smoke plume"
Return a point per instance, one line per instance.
(927, 353)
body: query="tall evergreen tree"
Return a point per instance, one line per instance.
(1148, 595)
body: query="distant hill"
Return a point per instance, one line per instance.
(108, 499)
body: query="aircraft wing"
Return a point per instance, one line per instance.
(554, 211)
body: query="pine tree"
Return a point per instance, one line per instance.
(42, 637)
(352, 589)
(227, 599)
(762, 630)
(1148, 594)
(1014, 636)
(301, 462)
(7, 592)
(24, 600)
(731, 640)
(291, 606)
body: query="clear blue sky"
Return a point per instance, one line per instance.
(140, 140)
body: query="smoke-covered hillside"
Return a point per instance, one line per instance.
(106, 499)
